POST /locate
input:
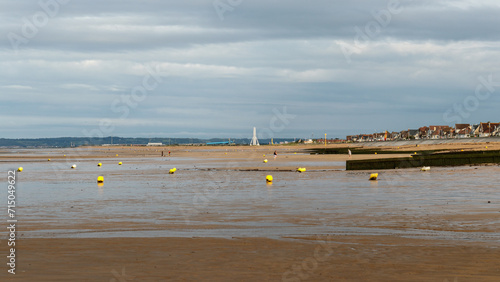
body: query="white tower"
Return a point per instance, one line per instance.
(255, 141)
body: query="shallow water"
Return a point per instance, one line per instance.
(140, 199)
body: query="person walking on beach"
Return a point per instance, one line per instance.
(275, 154)
(349, 152)
(169, 153)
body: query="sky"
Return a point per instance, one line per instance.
(206, 68)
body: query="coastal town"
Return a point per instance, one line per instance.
(483, 129)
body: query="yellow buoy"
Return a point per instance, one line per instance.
(20, 169)
(99, 164)
(373, 176)
(73, 166)
(415, 153)
(269, 179)
(265, 161)
(264, 155)
(117, 155)
(120, 163)
(65, 155)
(486, 147)
(375, 153)
(301, 169)
(171, 171)
(100, 179)
(48, 160)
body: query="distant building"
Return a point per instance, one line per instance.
(394, 135)
(440, 131)
(483, 129)
(486, 129)
(353, 138)
(413, 133)
(379, 136)
(496, 132)
(463, 130)
(365, 137)
(154, 144)
(423, 132)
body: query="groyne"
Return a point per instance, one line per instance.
(420, 160)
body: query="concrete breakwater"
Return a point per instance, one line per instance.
(435, 159)
(421, 142)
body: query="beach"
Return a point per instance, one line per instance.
(216, 218)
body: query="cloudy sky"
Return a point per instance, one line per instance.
(206, 68)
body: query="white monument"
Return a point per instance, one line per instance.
(255, 141)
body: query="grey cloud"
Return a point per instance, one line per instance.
(227, 76)
(131, 25)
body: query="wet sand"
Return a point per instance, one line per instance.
(334, 258)
(355, 239)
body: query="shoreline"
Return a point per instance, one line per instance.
(365, 231)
